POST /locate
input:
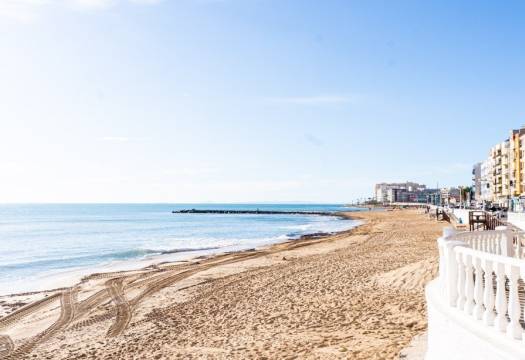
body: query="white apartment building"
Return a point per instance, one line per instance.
(501, 174)
(386, 192)
(486, 182)
(476, 180)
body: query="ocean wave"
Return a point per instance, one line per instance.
(302, 227)
(54, 262)
(97, 258)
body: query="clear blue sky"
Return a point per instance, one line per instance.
(251, 100)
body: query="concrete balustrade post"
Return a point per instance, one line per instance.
(501, 298)
(442, 265)
(522, 275)
(451, 264)
(478, 289)
(518, 249)
(461, 281)
(469, 284)
(514, 329)
(507, 239)
(488, 296)
(449, 232)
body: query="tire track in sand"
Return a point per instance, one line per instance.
(6, 346)
(116, 291)
(27, 310)
(159, 283)
(67, 311)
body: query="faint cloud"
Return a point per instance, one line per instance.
(92, 4)
(115, 139)
(22, 11)
(124, 139)
(146, 2)
(316, 100)
(196, 171)
(27, 11)
(314, 140)
(258, 186)
(448, 169)
(107, 180)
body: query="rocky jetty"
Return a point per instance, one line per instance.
(253, 212)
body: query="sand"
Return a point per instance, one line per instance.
(353, 295)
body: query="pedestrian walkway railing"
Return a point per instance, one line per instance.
(482, 274)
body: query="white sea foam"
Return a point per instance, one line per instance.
(55, 245)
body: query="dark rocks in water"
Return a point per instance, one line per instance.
(253, 212)
(316, 235)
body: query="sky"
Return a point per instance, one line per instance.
(251, 100)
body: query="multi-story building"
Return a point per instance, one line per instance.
(476, 180)
(501, 173)
(450, 196)
(402, 192)
(485, 182)
(517, 181)
(500, 179)
(389, 192)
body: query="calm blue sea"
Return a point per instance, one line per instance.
(43, 245)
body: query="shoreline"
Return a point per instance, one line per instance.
(76, 276)
(329, 297)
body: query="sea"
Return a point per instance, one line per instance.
(44, 246)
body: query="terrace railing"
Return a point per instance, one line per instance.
(482, 274)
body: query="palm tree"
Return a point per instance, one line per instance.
(465, 194)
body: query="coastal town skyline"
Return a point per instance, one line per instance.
(319, 107)
(262, 179)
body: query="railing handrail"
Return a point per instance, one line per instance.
(477, 233)
(490, 241)
(507, 260)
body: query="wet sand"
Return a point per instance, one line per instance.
(353, 295)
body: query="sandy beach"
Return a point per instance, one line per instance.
(354, 295)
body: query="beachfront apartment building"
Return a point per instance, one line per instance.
(450, 196)
(401, 192)
(501, 172)
(500, 179)
(476, 181)
(485, 190)
(517, 141)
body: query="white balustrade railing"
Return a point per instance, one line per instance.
(519, 249)
(482, 274)
(497, 242)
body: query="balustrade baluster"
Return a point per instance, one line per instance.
(488, 296)
(481, 241)
(469, 284)
(478, 290)
(501, 299)
(461, 281)
(442, 271)
(514, 328)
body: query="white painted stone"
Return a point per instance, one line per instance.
(516, 219)
(453, 335)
